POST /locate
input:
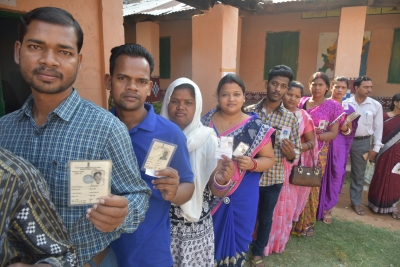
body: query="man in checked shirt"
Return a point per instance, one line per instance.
(272, 112)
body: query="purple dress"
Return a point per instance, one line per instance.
(335, 170)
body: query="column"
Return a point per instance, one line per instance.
(350, 40)
(214, 49)
(148, 36)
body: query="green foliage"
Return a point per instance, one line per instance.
(157, 107)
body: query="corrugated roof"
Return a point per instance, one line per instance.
(154, 7)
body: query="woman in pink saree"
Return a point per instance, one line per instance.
(292, 198)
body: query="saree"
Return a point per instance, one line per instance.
(384, 191)
(335, 171)
(235, 217)
(329, 111)
(292, 198)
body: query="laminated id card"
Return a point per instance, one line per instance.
(89, 180)
(158, 157)
(225, 147)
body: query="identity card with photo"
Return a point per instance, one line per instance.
(241, 149)
(158, 157)
(345, 105)
(89, 180)
(225, 147)
(322, 124)
(285, 132)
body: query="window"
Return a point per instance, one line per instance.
(281, 48)
(165, 57)
(394, 65)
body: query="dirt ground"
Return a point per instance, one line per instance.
(343, 211)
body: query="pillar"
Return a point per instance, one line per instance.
(214, 49)
(148, 36)
(350, 40)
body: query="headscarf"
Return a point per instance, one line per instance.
(200, 139)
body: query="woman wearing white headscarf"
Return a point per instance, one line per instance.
(192, 232)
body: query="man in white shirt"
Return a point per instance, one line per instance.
(369, 124)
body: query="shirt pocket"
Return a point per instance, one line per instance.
(58, 182)
(368, 117)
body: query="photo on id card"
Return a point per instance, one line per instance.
(158, 157)
(225, 147)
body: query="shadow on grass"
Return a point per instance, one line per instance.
(341, 244)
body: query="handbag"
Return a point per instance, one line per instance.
(306, 176)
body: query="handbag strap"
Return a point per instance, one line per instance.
(310, 148)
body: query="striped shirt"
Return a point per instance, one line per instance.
(277, 119)
(79, 130)
(30, 228)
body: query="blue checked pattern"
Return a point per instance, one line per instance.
(79, 130)
(277, 119)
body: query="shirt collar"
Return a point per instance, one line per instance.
(260, 106)
(368, 100)
(65, 110)
(148, 124)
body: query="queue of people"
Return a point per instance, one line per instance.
(200, 210)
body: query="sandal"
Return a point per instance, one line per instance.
(327, 217)
(309, 232)
(357, 209)
(257, 263)
(396, 215)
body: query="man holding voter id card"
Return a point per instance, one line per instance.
(287, 146)
(161, 150)
(69, 140)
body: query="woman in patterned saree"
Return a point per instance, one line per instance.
(192, 234)
(326, 113)
(339, 149)
(384, 191)
(292, 198)
(234, 215)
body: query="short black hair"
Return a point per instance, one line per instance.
(94, 174)
(52, 15)
(324, 77)
(341, 79)
(361, 79)
(396, 98)
(297, 84)
(132, 50)
(282, 71)
(187, 86)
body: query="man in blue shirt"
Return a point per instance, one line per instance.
(55, 126)
(129, 83)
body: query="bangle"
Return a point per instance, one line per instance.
(318, 137)
(255, 165)
(347, 132)
(221, 187)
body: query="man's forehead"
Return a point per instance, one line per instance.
(280, 79)
(366, 83)
(51, 32)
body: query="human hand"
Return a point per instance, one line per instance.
(344, 127)
(168, 183)
(372, 156)
(244, 162)
(109, 213)
(287, 149)
(225, 170)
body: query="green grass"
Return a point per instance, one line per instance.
(341, 243)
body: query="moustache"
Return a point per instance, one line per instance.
(130, 94)
(53, 71)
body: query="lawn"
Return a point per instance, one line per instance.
(342, 243)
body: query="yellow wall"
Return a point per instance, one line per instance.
(255, 28)
(180, 32)
(101, 22)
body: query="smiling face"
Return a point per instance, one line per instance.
(339, 90)
(277, 88)
(181, 107)
(231, 98)
(318, 88)
(130, 83)
(292, 98)
(48, 57)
